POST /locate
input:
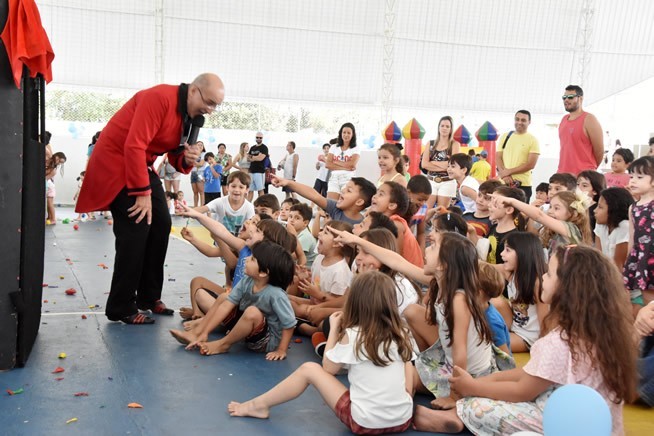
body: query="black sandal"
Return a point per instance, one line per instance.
(137, 318)
(160, 308)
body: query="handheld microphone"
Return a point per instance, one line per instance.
(196, 123)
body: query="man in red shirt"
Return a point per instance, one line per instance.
(120, 177)
(580, 135)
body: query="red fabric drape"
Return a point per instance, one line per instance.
(26, 41)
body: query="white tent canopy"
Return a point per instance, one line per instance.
(484, 55)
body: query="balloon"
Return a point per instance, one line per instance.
(575, 410)
(212, 139)
(371, 141)
(72, 128)
(314, 141)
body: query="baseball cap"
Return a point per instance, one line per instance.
(483, 153)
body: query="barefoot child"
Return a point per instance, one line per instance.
(452, 329)
(590, 342)
(368, 337)
(257, 310)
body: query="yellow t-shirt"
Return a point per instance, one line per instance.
(480, 170)
(516, 153)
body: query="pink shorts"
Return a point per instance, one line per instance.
(343, 411)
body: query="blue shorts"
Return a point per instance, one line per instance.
(258, 180)
(196, 177)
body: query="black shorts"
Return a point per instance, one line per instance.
(210, 196)
(258, 339)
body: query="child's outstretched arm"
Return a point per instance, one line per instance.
(535, 214)
(299, 188)
(216, 228)
(523, 387)
(203, 247)
(387, 257)
(461, 319)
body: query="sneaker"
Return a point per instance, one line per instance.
(319, 342)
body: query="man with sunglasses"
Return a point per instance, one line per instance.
(580, 135)
(120, 176)
(257, 157)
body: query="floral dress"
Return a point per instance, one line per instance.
(638, 270)
(551, 359)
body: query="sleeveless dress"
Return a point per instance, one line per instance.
(638, 272)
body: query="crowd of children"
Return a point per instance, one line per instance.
(430, 283)
(435, 300)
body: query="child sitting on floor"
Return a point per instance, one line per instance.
(590, 341)
(369, 338)
(257, 310)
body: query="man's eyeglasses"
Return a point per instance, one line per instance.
(569, 96)
(211, 106)
(259, 137)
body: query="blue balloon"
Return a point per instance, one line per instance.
(576, 410)
(314, 142)
(371, 141)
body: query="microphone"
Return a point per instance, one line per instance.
(196, 123)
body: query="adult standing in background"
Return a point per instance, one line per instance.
(120, 177)
(197, 177)
(289, 165)
(580, 135)
(320, 184)
(517, 154)
(434, 161)
(342, 160)
(256, 156)
(224, 160)
(241, 161)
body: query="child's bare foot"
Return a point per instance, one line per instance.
(248, 409)
(435, 421)
(191, 324)
(444, 403)
(183, 337)
(186, 312)
(213, 347)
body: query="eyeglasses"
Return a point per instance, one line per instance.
(211, 106)
(569, 96)
(259, 137)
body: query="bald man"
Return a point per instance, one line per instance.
(120, 177)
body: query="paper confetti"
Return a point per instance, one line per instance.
(103, 266)
(134, 406)
(83, 316)
(81, 394)
(62, 355)
(71, 291)
(58, 370)
(16, 392)
(59, 379)
(71, 420)
(297, 340)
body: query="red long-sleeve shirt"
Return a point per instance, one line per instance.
(148, 125)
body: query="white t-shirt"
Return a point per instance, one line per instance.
(609, 240)
(230, 218)
(322, 169)
(478, 355)
(378, 393)
(342, 156)
(469, 204)
(334, 279)
(525, 317)
(406, 293)
(288, 166)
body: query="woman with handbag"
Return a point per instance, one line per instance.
(434, 163)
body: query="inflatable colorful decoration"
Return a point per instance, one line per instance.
(392, 132)
(462, 135)
(413, 133)
(487, 135)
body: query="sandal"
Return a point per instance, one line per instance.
(160, 308)
(137, 318)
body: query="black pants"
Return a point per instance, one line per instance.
(210, 196)
(140, 254)
(320, 187)
(527, 191)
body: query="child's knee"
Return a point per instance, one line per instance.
(196, 282)
(252, 313)
(310, 367)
